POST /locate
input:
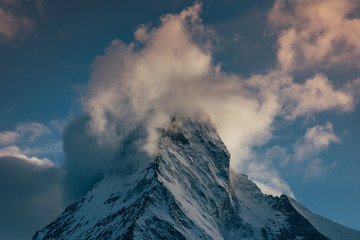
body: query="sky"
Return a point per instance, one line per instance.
(86, 85)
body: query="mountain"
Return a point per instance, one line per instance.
(187, 191)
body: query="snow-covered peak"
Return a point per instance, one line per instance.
(186, 192)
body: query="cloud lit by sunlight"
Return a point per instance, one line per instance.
(316, 33)
(168, 70)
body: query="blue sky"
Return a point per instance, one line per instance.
(290, 116)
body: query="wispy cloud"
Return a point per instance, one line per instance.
(277, 155)
(8, 137)
(316, 139)
(303, 155)
(40, 7)
(32, 130)
(24, 131)
(267, 178)
(14, 24)
(317, 168)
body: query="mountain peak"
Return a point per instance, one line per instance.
(187, 191)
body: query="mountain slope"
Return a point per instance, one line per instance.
(325, 226)
(186, 192)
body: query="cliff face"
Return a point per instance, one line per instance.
(186, 192)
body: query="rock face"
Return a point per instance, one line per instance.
(187, 192)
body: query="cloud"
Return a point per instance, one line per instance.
(14, 151)
(40, 7)
(317, 139)
(31, 187)
(87, 160)
(168, 70)
(28, 189)
(13, 26)
(268, 179)
(316, 168)
(58, 125)
(261, 167)
(36, 140)
(315, 95)
(8, 137)
(32, 130)
(316, 33)
(14, 23)
(274, 186)
(24, 131)
(306, 150)
(277, 154)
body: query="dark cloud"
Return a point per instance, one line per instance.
(84, 158)
(30, 196)
(87, 159)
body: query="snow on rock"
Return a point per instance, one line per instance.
(187, 192)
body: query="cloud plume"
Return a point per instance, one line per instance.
(169, 70)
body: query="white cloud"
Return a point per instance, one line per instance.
(317, 139)
(262, 169)
(170, 74)
(14, 151)
(8, 137)
(127, 81)
(321, 136)
(295, 99)
(316, 33)
(268, 179)
(315, 95)
(274, 187)
(34, 142)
